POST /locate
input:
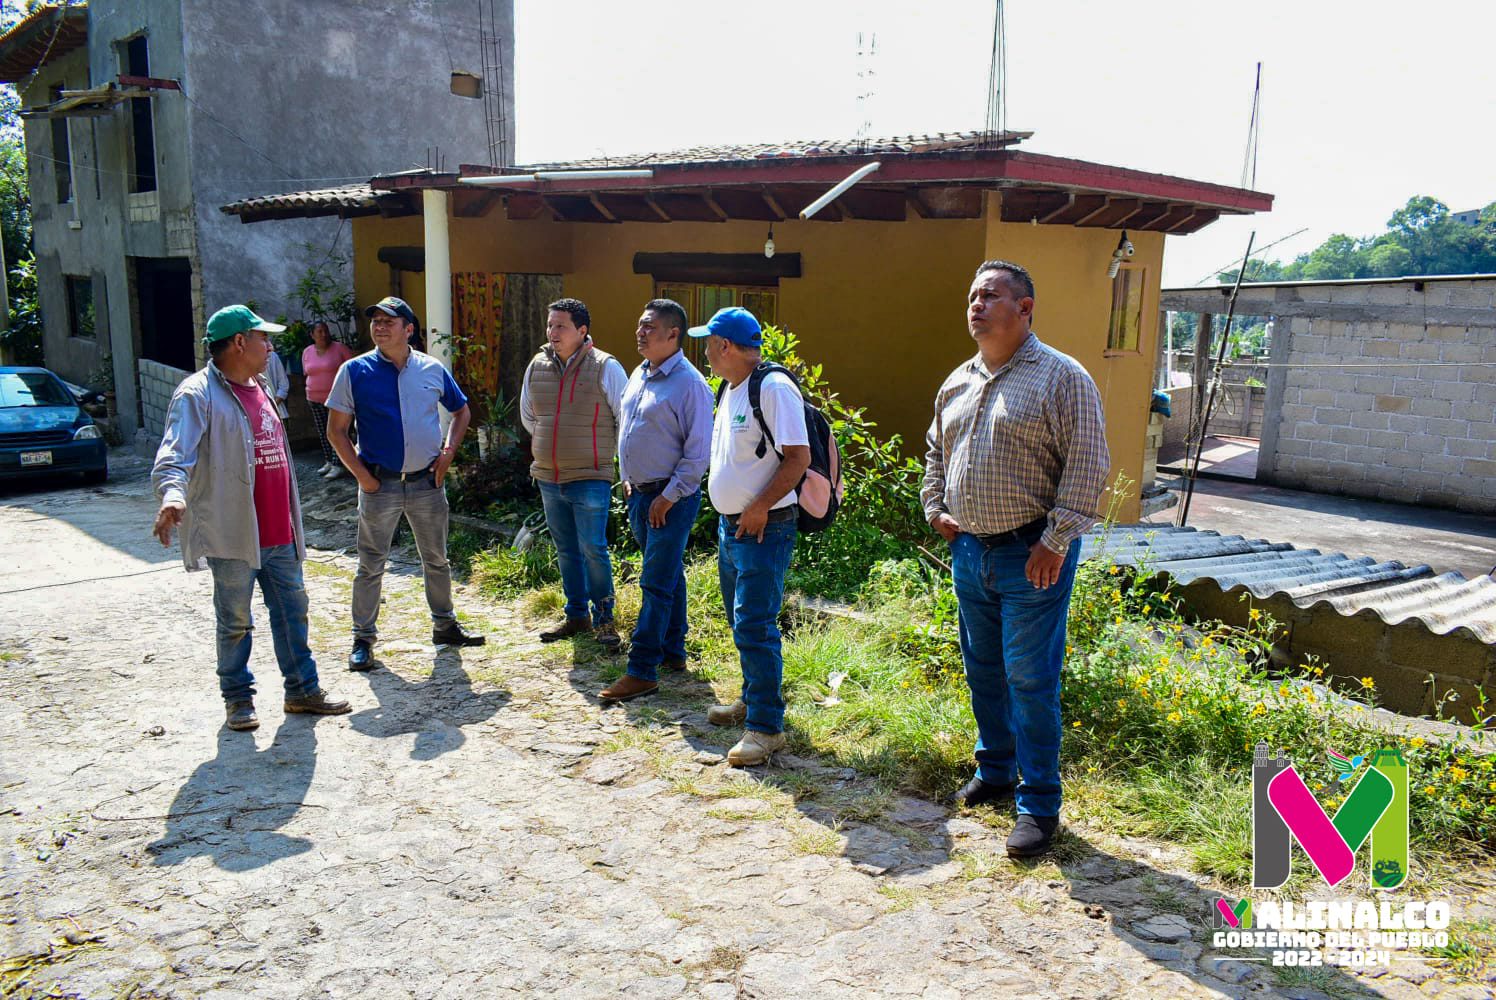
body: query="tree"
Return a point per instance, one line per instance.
(1421, 238)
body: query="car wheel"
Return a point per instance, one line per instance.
(94, 477)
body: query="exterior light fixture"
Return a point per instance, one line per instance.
(769, 243)
(1124, 250)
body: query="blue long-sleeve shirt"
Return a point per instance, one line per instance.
(665, 427)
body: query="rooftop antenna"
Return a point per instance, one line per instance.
(1249, 161)
(867, 53)
(997, 73)
(495, 111)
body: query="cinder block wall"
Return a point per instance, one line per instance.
(157, 383)
(1421, 431)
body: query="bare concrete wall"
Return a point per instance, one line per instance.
(1380, 389)
(291, 96)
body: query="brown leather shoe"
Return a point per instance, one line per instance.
(319, 702)
(607, 636)
(627, 688)
(567, 629)
(674, 663)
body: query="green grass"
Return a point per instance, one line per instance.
(1161, 715)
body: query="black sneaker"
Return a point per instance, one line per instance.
(451, 634)
(241, 716)
(976, 791)
(1032, 836)
(362, 657)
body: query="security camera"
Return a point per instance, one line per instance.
(1127, 248)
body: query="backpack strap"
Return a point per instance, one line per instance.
(755, 395)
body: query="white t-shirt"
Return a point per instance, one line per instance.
(737, 474)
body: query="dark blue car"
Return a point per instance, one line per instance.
(43, 429)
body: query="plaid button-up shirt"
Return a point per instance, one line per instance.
(1011, 446)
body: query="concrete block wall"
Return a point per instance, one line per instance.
(1418, 428)
(157, 383)
(1239, 414)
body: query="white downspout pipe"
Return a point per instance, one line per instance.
(438, 279)
(835, 192)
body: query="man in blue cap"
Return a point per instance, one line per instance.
(400, 463)
(223, 473)
(752, 486)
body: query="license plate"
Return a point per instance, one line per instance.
(36, 458)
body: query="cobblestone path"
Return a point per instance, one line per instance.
(480, 827)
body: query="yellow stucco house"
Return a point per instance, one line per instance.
(874, 284)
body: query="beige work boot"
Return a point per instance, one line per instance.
(755, 748)
(727, 715)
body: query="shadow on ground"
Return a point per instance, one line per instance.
(434, 708)
(232, 807)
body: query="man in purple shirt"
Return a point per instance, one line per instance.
(664, 445)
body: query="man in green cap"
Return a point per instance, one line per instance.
(223, 473)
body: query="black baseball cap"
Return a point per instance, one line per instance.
(392, 306)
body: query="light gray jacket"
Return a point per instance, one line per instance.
(207, 461)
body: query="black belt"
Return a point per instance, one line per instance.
(381, 472)
(1028, 534)
(790, 513)
(653, 486)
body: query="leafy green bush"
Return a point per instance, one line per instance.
(23, 339)
(881, 517)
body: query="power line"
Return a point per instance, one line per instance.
(1217, 270)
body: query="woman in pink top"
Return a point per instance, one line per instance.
(321, 361)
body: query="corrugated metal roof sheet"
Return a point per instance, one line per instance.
(1393, 591)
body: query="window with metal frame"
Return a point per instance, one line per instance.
(80, 306)
(1125, 325)
(702, 301)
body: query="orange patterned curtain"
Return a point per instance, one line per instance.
(477, 325)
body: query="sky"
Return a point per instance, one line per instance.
(1363, 105)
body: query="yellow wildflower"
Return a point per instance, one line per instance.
(1254, 614)
(1175, 717)
(1458, 773)
(1417, 741)
(1428, 790)
(1075, 724)
(1121, 702)
(1368, 683)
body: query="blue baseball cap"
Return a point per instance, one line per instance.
(733, 323)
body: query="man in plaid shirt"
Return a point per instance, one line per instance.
(1016, 464)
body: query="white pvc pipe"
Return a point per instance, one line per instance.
(505, 180)
(835, 192)
(438, 276)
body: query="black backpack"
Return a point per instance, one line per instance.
(820, 490)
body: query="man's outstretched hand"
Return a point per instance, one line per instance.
(167, 518)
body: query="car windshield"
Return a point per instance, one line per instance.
(33, 389)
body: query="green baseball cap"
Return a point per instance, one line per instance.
(232, 320)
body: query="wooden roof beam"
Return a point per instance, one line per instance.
(473, 203)
(874, 204)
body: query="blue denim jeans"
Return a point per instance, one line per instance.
(1013, 645)
(661, 628)
(751, 574)
(577, 516)
(279, 577)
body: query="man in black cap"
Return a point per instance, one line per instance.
(400, 463)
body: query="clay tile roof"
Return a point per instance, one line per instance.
(47, 33)
(938, 142)
(347, 199)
